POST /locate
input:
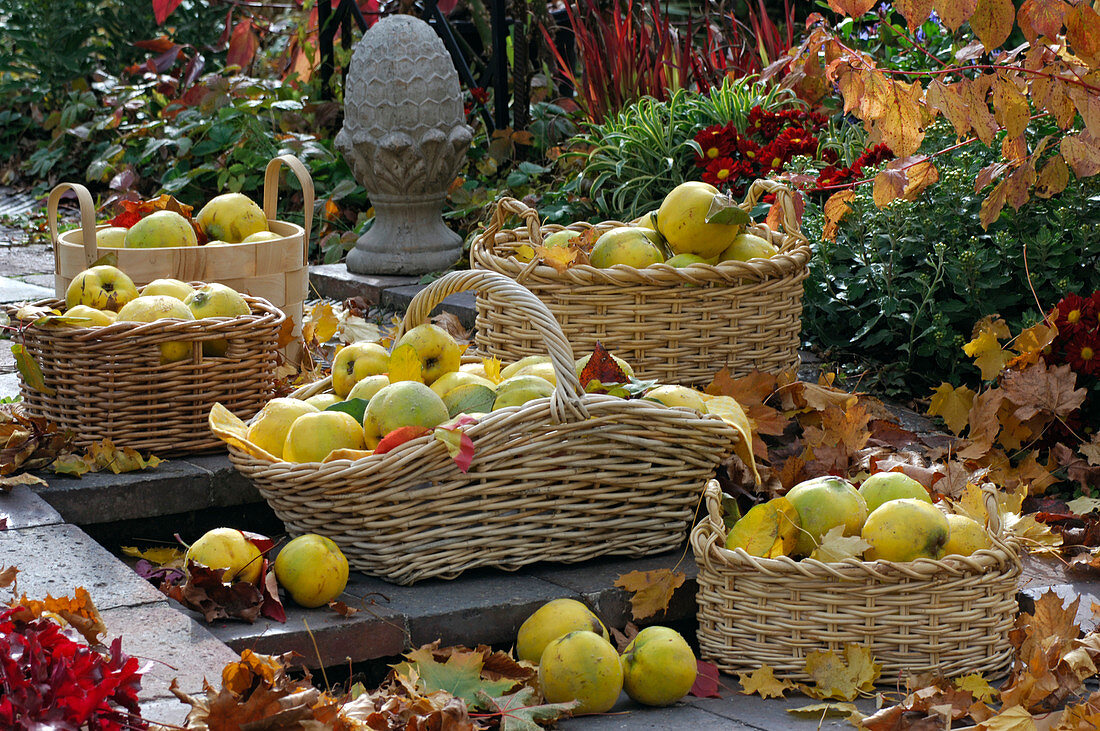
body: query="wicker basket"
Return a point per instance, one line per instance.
(564, 478)
(950, 616)
(276, 270)
(674, 325)
(109, 382)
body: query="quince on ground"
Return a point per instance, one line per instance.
(437, 350)
(159, 307)
(312, 569)
(822, 504)
(229, 549)
(102, 287)
(552, 620)
(161, 229)
(231, 217)
(658, 667)
(905, 530)
(581, 666)
(405, 403)
(268, 430)
(312, 437)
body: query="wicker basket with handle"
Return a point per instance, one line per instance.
(108, 382)
(950, 616)
(674, 325)
(564, 478)
(275, 270)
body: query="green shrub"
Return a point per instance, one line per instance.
(903, 286)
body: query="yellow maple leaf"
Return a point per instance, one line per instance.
(492, 369)
(987, 353)
(763, 683)
(835, 546)
(978, 686)
(320, 323)
(952, 405)
(79, 611)
(841, 678)
(1016, 718)
(652, 590)
(559, 257)
(405, 364)
(1038, 537)
(768, 530)
(158, 556)
(1030, 343)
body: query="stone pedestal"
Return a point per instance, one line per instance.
(405, 138)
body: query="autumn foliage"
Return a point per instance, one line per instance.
(988, 91)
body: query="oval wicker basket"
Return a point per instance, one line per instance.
(275, 270)
(564, 478)
(674, 325)
(109, 382)
(950, 616)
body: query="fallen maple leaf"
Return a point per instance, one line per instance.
(521, 711)
(79, 611)
(977, 686)
(1013, 718)
(835, 546)
(840, 678)
(652, 590)
(763, 682)
(827, 710)
(460, 674)
(987, 354)
(952, 405)
(206, 593)
(706, 680)
(319, 324)
(1040, 388)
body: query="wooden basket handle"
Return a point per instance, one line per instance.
(271, 193)
(710, 530)
(511, 207)
(784, 198)
(87, 221)
(567, 403)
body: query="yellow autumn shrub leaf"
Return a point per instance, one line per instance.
(952, 405)
(405, 364)
(767, 530)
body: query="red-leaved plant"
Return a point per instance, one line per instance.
(52, 680)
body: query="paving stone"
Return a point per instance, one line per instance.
(39, 280)
(376, 630)
(23, 259)
(334, 281)
(22, 508)
(227, 485)
(170, 712)
(461, 304)
(769, 714)
(12, 290)
(173, 644)
(176, 486)
(595, 581)
(9, 384)
(1068, 593)
(55, 559)
(627, 715)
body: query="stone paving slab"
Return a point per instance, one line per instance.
(22, 508)
(55, 559)
(165, 711)
(24, 259)
(334, 281)
(13, 290)
(176, 486)
(173, 644)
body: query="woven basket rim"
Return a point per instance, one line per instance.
(263, 314)
(487, 423)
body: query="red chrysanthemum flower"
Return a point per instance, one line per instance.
(1083, 354)
(871, 157)
(797, 141)
(775, 155)
(717, 141)
(748, 148)
(721, 172)
(1074, 315)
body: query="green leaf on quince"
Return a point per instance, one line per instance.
(724, 211)
(356, 407)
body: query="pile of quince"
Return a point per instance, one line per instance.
(577, 661)
(230, 218)
(890, 517)
(381, 398)
(695, 224)
(103, 295)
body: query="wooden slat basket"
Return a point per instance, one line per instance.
(950, 616)
(108, 382)
(564, 478)
(275, 270)
(674, 325)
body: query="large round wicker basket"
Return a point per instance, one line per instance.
(950, 616)
(275, 270)
(674, 325)
(564, 478)
(108, 382)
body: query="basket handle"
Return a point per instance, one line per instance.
(87, 221)
(567, 403)
(784, 198)
(271, 193)
(511, 207)
(710, 530)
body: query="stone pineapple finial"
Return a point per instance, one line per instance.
(405, 137)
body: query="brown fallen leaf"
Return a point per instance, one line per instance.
(652, 590)
(204, 592)
(840, 677)
(1041, 388)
